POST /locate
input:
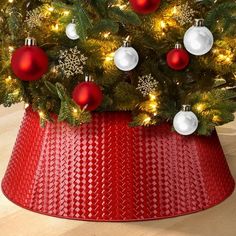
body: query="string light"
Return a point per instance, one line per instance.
(75, 111)
(153, 107)
(8, 79)
(216, 119)
(153, 104)
(26, 105)
(106, 35)
(174, 10)
(147, 120)
(16, 93)
(55, 27)
(225, 58)
(200, 107)
(42, 114)
(10, 1)
(11, 49)
(110, 57)
(221, 56)
(120, 5)
(168, 21)
(66, 13)
(162, 24)
(152, 97)
(54, 70)
(51, 9)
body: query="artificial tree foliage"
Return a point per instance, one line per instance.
(208, 84)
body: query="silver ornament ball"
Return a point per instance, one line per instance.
(198, 40)
(185, 121)
(126, 58)
(71, 32)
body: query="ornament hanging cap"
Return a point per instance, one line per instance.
(88, 78)
(186, 108)
(178, 46)
(199, 22)
(30, 41)
(127, 42)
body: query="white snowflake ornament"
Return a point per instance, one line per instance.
(72, 62)
(147, 84)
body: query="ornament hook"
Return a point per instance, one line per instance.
(127, 42)
(199, 22)
(186, 107)
(88, 78)
(30, 41)
(178, 45)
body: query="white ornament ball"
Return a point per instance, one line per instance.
(126, 58)
(185, 122)
(198, 40)
(71, 32)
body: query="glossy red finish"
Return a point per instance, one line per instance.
(29, 63)
(145, 6)
(89, 95)
(107, 171)
(178, 59)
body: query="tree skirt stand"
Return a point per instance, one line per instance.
(108, 171)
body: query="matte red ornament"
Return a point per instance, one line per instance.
(178, 58)
(89, 95)
(109, 171)
(145, 6)
(29, 62)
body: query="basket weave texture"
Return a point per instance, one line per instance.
(107, 171)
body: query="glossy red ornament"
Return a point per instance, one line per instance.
(145, 6)
(88, 94)
(29, 62)
(178, 58)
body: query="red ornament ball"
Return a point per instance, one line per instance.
(145, 6)
(178, 59)
(29, 63)
(89, 95)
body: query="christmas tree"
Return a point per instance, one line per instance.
(82, 67)
(121, 56)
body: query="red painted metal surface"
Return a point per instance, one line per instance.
(107, 171)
